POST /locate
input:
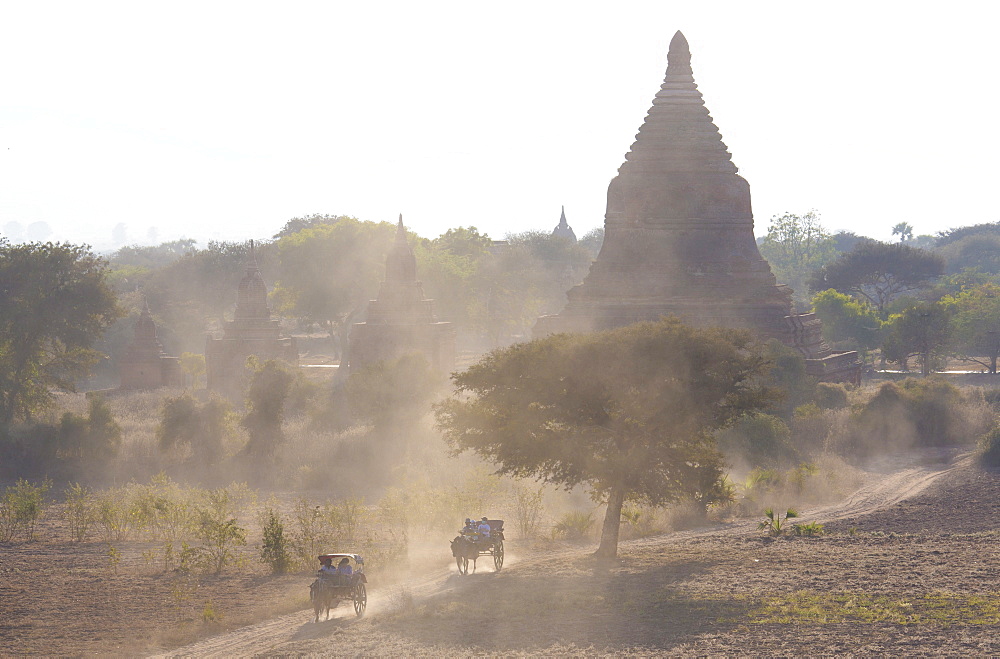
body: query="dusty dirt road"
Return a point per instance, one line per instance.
(863, 588)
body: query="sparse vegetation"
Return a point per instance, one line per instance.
(21, 506)
(774, 523)
(574, 525)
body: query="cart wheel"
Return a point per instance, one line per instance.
(463, 564)
(498, 555)
(360, 599)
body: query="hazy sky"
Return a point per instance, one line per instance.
(222, 120)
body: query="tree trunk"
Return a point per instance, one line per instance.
(612, 524)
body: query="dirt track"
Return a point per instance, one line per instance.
(910, 566)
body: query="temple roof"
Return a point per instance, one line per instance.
(564, 230)
(678, 133)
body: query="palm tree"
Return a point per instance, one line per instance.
(903, 230)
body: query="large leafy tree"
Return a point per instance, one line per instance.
(977, 324)
(54, 303)
(923, 331)
(628, 412)
(879, 272)
(846, 320)
(329, 270)
(794, 246)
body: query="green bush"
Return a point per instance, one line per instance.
(831, 396)
(573, 525)
(989, 449)
(915, 412)
(204, 428)
(760, 439)
(773, 523)
(21, 506)
(81, 511)
(97, 435)
(274, 548)
(218, 528)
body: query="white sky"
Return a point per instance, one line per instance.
(222, 120)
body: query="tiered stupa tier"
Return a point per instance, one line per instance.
(401, 320)
(679, 237)
(251, 332)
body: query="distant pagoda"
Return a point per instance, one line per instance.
(563, 229)
(251, 332)
(678, 238)
(401, 320)
(144, 364)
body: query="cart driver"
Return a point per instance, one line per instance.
(326, 567)
(484, 528)
(470, 527)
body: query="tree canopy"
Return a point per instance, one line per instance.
(628, 412)
(54, 303)
(922, 331)
(330, 269)
(796, 245)
(977, 324)
(878, 272)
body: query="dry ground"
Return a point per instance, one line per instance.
(910, 565)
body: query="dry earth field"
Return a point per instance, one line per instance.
(910, 565)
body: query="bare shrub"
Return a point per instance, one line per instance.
(117, 517)
(218, 527)
(21, 506)
(80, 511)
(527, 509)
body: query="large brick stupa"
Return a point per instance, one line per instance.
(679, 238)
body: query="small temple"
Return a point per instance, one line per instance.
(401, 320)
(679, 238)
(144, 364)
(563, 229)
(251, 332)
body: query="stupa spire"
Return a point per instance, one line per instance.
(401, 263)
(563, 229)
(678, 134)
(679, 56)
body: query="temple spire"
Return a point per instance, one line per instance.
(401, 263)
(400, 230)
(563, 229)
(678, 134)
(679, 56)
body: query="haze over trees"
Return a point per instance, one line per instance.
(628, 412)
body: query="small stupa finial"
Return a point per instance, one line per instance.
(400, 230)
(679, 55)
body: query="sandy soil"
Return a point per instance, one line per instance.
(909, 565)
